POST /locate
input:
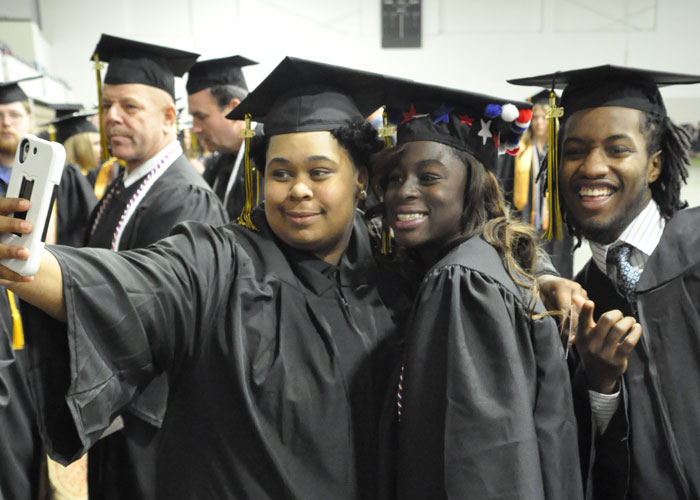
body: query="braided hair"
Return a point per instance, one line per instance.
(674, 143)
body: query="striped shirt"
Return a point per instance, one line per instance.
(643, 234)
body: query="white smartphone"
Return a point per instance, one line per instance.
(36, 173)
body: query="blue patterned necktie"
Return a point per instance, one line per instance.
(626, 275)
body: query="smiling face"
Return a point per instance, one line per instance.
(311, 191)
(424, 196)
(605, 171)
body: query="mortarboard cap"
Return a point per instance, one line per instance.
(610, 85)
(542, 97)
(480, 124)
(73, 124)
(12, 92)
(224, 71)
(64, 109)
(137, 62)
(305, 96)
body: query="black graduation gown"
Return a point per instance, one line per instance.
(275, 371)
(652, 444)
(487, 409)
(122, 465)
(560, 251)
(75, 201)
(20, 443)
(178, 195)
(218, 172)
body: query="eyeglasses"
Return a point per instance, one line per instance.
(12, 116)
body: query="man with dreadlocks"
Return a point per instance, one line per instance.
(622, 166)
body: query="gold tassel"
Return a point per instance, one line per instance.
(51, 129)
(17, 329)
(386, 132)
(252, 178)
(102, 180)
(98, 66)
(554, 228)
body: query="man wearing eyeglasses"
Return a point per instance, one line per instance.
(15, 121)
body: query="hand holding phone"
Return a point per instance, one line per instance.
(36, 173)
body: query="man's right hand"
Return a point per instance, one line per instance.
(604, 346)
(11, 225)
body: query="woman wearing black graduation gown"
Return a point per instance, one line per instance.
(273, 333)
(484, 404)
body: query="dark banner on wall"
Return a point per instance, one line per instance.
(401, 23)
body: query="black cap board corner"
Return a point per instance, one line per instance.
(131, 61)
(223, 71)
(12, 92)
(69, 125)
(301, 95)
(610, 85)
(65, 109)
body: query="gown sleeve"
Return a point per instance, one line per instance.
(130, 316)
(487, 409)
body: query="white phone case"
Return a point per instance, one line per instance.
(36, 173)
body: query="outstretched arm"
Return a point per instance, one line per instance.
(45, 289)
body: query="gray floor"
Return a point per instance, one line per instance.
(691, 192)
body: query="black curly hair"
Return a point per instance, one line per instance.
(359, 138)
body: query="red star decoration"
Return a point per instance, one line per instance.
(410, 115)
(466, 119)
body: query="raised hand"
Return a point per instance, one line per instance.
(605, 346)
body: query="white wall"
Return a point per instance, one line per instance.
(474, 44)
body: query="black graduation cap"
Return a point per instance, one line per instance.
(542, 97)
(137, 62)
(610, 85)
(305, 96)
(65, 109)
(12, 92)
(480, 124)
(223, 71)
(73, 124)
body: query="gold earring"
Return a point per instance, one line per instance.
(363, 194)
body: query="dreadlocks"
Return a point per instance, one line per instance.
(674, 142)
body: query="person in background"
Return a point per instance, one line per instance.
(214, 89)
(81, 140)
(529, 187)
(75, 198)
(157, 189)
(623, 162)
